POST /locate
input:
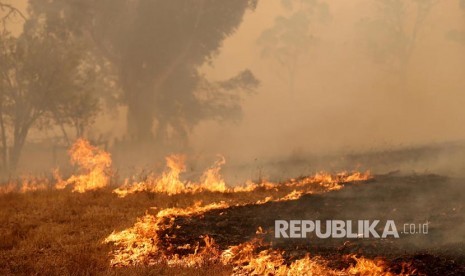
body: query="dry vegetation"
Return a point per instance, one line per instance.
(61, 233)
(86, 224)
(58, 232)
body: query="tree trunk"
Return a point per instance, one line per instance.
(140, 117)
(4, 142)
(18, 143)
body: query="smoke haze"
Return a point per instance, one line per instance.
(343, 100)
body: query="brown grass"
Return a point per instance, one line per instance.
(61, 233)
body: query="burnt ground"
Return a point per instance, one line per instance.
(404, 199)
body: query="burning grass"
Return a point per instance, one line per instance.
(166, 225)
(94, 165)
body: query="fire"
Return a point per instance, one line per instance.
(251, 186)
(95, 172)
(245, 258)
(207, 254)
(292, 196)
(94, 165)
(330, 181)
(211, 179)
(8, 188)
(367, 267)
(140, 243)
(31, 184)
(25, 184)
(170, 183)
(271, 262)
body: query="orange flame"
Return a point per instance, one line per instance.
(25, 184)
(366, 267)
(94, 165)
(170, 183)
(139, 242)
(211, 179)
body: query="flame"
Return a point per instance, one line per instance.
(251, 186)
(247, 259)
(31, 184)
(8, 188)
(94, 165)
(292, 196)
(330, 181)
(211, 179)
(366, 267)
(169, 182)
(25, 184)
(207, 254)
(140, 244)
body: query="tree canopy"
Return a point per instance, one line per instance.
(44, 78)
(155, 48)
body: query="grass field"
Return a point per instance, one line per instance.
(58, 232)
(92, 224)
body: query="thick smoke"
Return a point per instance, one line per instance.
(360, 89)
(345, 101)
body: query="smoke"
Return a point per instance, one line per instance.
(344, 101)
(356, 93)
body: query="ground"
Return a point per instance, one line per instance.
(55, 232)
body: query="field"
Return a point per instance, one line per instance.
(222, 231)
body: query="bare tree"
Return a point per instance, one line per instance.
(458, 35)
(8, 12)
(390, 39)
(291, 36)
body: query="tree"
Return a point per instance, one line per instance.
(7, 13)
(390, 38)
(458, 35)
(41, 76)
(291, 36)
(156, 47)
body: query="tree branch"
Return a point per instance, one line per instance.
(11, 11)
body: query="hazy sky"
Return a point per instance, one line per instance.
(343, 100)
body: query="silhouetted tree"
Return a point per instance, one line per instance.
(7, 13)
(458, 35)
(292, 36)
(393, 34)
(44, 79)
(156, 47)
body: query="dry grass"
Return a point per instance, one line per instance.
(57, 232)
(61, 233)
